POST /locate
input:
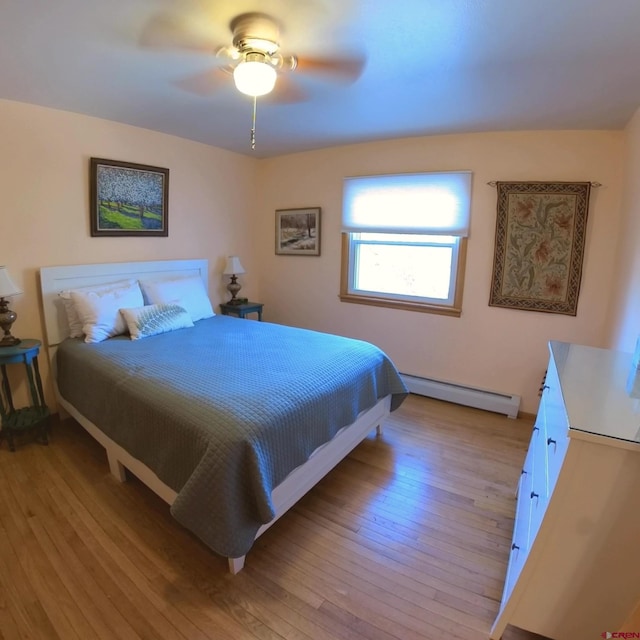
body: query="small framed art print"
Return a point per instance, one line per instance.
(298, 232)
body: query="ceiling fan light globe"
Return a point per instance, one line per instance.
(254, 78)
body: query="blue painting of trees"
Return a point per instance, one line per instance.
(130, 199)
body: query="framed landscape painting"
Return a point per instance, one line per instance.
(298, 232)
(128, 199)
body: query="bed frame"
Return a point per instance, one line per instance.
(288, 492)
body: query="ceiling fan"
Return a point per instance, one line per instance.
(254, 58)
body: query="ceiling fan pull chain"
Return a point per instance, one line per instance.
(253, 124)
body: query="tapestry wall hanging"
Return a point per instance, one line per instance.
(540, 239)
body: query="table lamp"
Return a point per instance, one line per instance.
(8, 288)
(233, 268)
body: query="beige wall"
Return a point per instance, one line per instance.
(625, 310)
(223, 203)
(44, 187)
(498, 349)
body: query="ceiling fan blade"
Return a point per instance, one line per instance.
(343, 68)
(206, 83)
(167, 31)
(286, 91)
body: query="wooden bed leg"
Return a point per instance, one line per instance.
(236, 564)
(117, 469)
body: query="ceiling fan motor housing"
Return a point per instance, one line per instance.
(255, 32)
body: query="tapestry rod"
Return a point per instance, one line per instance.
(595, 185)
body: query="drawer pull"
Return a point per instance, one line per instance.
(534, 495)
(524, 472)
(536, 428)
(546, 386)
(551, 441)
(514, 546)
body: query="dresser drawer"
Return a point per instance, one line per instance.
(520, 539)
(516, 561)
(538, 447)
(524, 492)
(555, 414)
(557, 446)
(556, 425)
(538, 499)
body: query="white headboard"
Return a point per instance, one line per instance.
(56, 279)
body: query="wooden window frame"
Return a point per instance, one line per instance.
(454, 310)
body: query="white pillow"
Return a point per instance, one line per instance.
(188, 293)
(75, 324)
(155, 318)
(99, 311)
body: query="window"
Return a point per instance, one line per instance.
(405, 240)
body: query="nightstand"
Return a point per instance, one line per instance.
(241, 310)
(31, 417)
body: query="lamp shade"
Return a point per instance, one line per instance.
(7, 286)
(233, 266)
(254, 77)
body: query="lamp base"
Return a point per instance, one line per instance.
(7, 318)
(234, 287)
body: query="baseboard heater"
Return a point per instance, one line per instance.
(460, 394)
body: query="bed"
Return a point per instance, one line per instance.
(229, 421)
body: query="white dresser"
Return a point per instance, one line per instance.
(574, 569)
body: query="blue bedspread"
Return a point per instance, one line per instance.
(223, 411)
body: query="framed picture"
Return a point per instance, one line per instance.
(298, 232)
(128, 199)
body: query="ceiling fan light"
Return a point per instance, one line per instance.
(254, 77)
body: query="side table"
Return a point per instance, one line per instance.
(241, 310)
(34, 416)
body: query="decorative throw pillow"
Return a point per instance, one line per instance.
(188, 293)
(99, 311)
(73, 320)
(155, 318)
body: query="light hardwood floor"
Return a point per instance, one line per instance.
(406, 539)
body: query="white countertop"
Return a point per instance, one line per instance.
(594, 388)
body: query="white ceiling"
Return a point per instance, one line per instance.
(432, 66)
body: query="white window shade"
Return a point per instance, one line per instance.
(425, 203)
